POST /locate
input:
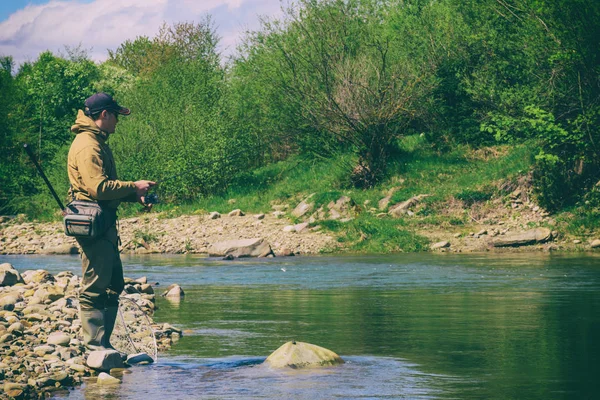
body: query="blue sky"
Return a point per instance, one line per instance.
(29, 27)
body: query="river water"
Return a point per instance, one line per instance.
(423, 326)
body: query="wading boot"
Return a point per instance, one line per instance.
(92, 324)
(110, 317)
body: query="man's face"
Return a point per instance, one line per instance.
(109, 121)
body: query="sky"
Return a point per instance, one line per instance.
(29, 27)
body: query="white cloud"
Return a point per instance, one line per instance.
(105, 24)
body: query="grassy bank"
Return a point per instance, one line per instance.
(461, 185)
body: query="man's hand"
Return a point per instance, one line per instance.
(141, 187)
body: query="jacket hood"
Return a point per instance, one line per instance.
(83, 123)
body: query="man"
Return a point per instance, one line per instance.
(93, 177)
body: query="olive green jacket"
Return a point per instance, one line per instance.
(91, 167)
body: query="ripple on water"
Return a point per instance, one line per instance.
(246, 377)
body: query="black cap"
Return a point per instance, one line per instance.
(102, 101)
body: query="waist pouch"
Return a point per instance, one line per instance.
(87, 219)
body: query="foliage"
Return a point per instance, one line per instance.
(370, 89)
(337, 78)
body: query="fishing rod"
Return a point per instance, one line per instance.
(39, 168)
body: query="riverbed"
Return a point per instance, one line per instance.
(439, 326)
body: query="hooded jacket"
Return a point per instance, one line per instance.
(91, 167)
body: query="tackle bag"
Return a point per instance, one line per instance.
(87, 219)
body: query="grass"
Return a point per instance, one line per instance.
(463, 174)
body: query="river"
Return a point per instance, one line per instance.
(426, 326)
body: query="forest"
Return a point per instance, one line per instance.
(340, 81)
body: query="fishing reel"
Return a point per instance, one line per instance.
(151, 198)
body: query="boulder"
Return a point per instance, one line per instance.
(440, 245)
(301, 355)
(214, 215)
(538, 235)
(9, 276)
(240, 248)
(106, 379)
(595, 243)
(303, 207)
(105, 360)
(174, 291)
(400, 209)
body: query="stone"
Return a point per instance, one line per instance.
(533, 236)
(38, 276)
(16, 328)
(51, 293)
(440, 245)
(400, 209)
(45, 349)
(278, 214)
(577, 241)
(8, 301)
(174, 291)
(140, 358)
(9, 276)
(146, 288)
(59, 339)
(302, 355)
(77, 367)
(9, 386)
(214, 215)
(259, 216)
(595, 243)
(106, 379)
(236, 213)
(61, 249)
(301, 227)
(285, 252)
(240, 248)
(304, 207)
(104, 360)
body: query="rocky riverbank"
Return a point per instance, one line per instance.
(154, 233)
(41, 350)
(509, 223)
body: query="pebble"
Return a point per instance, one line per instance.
(106, 379)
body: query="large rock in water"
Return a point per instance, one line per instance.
(241, 248)
(302, 355)
(539, 235)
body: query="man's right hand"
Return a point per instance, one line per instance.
(141, 187)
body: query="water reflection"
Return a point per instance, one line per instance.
(411, 326)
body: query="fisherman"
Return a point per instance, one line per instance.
(93, 177)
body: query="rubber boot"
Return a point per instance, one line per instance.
(110, 317)
(92, 324)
